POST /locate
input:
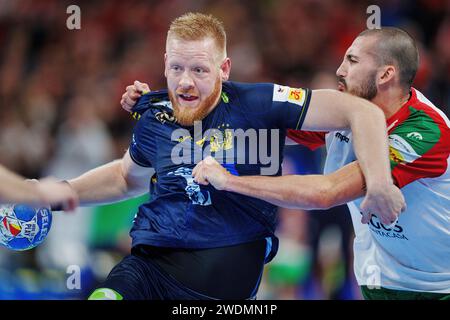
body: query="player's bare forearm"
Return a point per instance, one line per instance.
(371, 147)
(15, 188)
(383, 198)
(284, 191)
(333, 110)
(302, 192)
(112, 182)
(101, 185)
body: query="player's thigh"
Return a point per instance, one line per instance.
(128, 280)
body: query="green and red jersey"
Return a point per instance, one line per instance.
(415, 253)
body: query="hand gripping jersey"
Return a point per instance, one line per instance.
(414, 254)
(182, 213)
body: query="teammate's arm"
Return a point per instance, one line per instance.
(15, 189)
(334, 110)
(112, 182)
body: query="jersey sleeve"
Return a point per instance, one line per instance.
(418, 149)
(142, 145)
(310, 139)
(283, 107)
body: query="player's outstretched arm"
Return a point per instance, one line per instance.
(15, 189)
(112, 182)
(290, 191)
(333, 110)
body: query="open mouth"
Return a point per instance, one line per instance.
(341, 86)
(187, 97)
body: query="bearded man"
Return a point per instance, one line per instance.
(195, 242)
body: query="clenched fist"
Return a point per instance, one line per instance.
(132, 94)
(209, 171)
(56, 194)
(385, 203)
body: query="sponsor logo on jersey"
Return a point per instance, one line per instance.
(286, 94)
(400, 151)
(164, 117)
(220, 139)
(388, 234)
(297, 96)
(381, 230)
(341, 137)
(280, 93)
(414, 135)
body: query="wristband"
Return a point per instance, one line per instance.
(59, 206)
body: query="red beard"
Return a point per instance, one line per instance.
(186, 116)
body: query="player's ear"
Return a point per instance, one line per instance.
(386, 74)
(225, 69)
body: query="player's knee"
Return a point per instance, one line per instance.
(105, 294)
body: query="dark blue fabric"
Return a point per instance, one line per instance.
(185, 215)
(137, 278)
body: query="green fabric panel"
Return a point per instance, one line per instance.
(109, 222)
(418, 133)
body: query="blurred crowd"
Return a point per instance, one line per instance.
(60, 115)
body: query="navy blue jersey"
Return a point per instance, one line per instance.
(183, 214)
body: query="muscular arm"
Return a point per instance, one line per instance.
(303, 192)
(290, 191)
(333, 110)
(112, 182)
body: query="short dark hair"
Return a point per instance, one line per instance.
(396, 47)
